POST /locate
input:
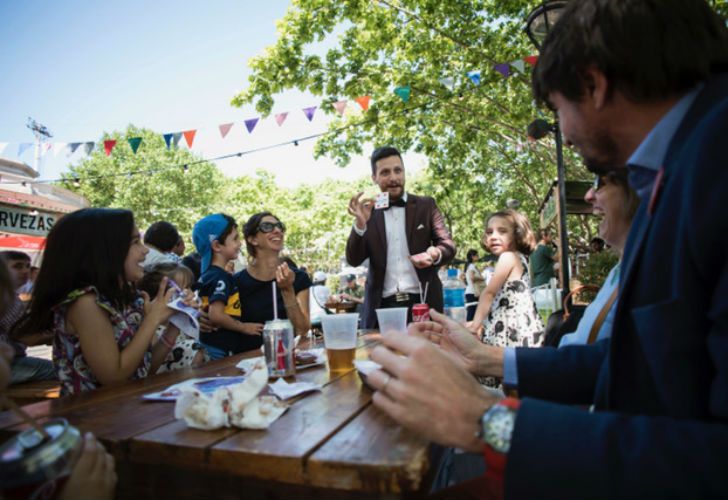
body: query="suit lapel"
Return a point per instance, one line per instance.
(410, 212)
(634, 243)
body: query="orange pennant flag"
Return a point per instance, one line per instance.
(531, 60)
(225, 128)
(340, 107)
(108, 146)
(189, 137)
(363, 101)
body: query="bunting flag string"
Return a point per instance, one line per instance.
(172, 139)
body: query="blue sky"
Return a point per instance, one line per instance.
(84, 67)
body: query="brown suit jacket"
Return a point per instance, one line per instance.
(425, 227)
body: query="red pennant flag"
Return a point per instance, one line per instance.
(108, 146)
(340, 107)
(363, 101)
(531, 60)
(189, 137)
(225, 128)
(281, 117)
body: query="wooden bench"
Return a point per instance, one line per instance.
(31, 392)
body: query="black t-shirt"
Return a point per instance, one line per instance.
(217, 285)
(256, 297)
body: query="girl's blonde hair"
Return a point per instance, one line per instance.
(523, 237)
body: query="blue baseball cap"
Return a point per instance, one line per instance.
(207, 230)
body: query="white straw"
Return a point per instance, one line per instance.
(275, 302)
(424, 300)
(419, 284)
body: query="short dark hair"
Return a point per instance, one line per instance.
(14, 255)
(542, 233)
(383, 152)
(251, 229)
(162, 235)
(649, 50)
(87, 247)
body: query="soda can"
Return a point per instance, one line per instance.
(420, 312)
(31, 467)
(278, 347)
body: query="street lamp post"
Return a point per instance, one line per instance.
(538, 24)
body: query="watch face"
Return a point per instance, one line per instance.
(498, 428)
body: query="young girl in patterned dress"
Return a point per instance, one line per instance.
(506, 312)
(103, 328)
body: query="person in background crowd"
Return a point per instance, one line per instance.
(506, 311)
(542, 259)
(103, 327)
(351, 291)
(596, 245)
(26, 290)
(642, 84)
(24, 368)
(320, 294)
(264, 239)
(474, 282)
(192, 262)
(179, 248)
(161, 238)
(404, 242)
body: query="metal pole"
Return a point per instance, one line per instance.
(563, 239)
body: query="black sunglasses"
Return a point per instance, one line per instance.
(267, 227)
(598, 183)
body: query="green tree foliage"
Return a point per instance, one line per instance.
(159, 189)
(473, 135)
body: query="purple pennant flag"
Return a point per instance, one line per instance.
(167, 139)
(88, 147)
(250, 124)
(23, 147)
(73, 146)
(503, 69)
(309, 112)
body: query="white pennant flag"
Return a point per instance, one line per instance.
(58, 147)
(448, 82)
(3, 145)
(520, 65)
(45, 148)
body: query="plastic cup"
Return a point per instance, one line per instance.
(340, 340)
(392, 320)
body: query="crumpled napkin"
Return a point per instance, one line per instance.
(237, 405)
(285, 391)
(366, 366)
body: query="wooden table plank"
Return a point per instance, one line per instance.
(361, 456)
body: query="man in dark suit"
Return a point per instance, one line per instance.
(644, 84)
(404, 242)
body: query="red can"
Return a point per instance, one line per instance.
(420, 312)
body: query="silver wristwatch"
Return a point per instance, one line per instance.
(496, 427)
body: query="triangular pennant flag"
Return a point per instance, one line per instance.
(363, 101)
(340, 107)
(23, 147)
(250, 124)
(47, 146)
(189, 137)
(519, 65)
(503, 69)
(109, 146)
(225, 128)
(168, 139)
(474, 77)
(88, 147)
(73, 147)
(134, 142)
(281, 117)
(3, 145)
(403, 93)
(448, 82)
(176, 138)
(531, 60)
(309, 112)
(58, 147)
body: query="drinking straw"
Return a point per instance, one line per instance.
(275, 302)
(419, 284)
(27, 418)
(424, 300)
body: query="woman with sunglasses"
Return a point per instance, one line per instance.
(264, 238)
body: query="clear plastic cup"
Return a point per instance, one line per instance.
(340, 340)
(392, 320)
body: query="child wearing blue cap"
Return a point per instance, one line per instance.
(218, 242)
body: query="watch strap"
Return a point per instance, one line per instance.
(496, 461)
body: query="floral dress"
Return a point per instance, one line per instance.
(513, 320)
(73, 371)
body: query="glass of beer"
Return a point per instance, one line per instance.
(340, 340)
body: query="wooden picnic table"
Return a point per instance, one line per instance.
(329, 444)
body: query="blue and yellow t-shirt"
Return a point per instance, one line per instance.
(217, 285)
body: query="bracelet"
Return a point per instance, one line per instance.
(164, 340)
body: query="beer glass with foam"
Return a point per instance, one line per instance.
(340, 340)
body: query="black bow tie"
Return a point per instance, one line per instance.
(396, 203)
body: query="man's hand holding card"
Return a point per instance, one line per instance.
(361, 209)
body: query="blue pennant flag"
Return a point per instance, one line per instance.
(474, 77)
(23, 147)
(74, 146)
(168, 139)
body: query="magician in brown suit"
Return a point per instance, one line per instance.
(405, 243)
